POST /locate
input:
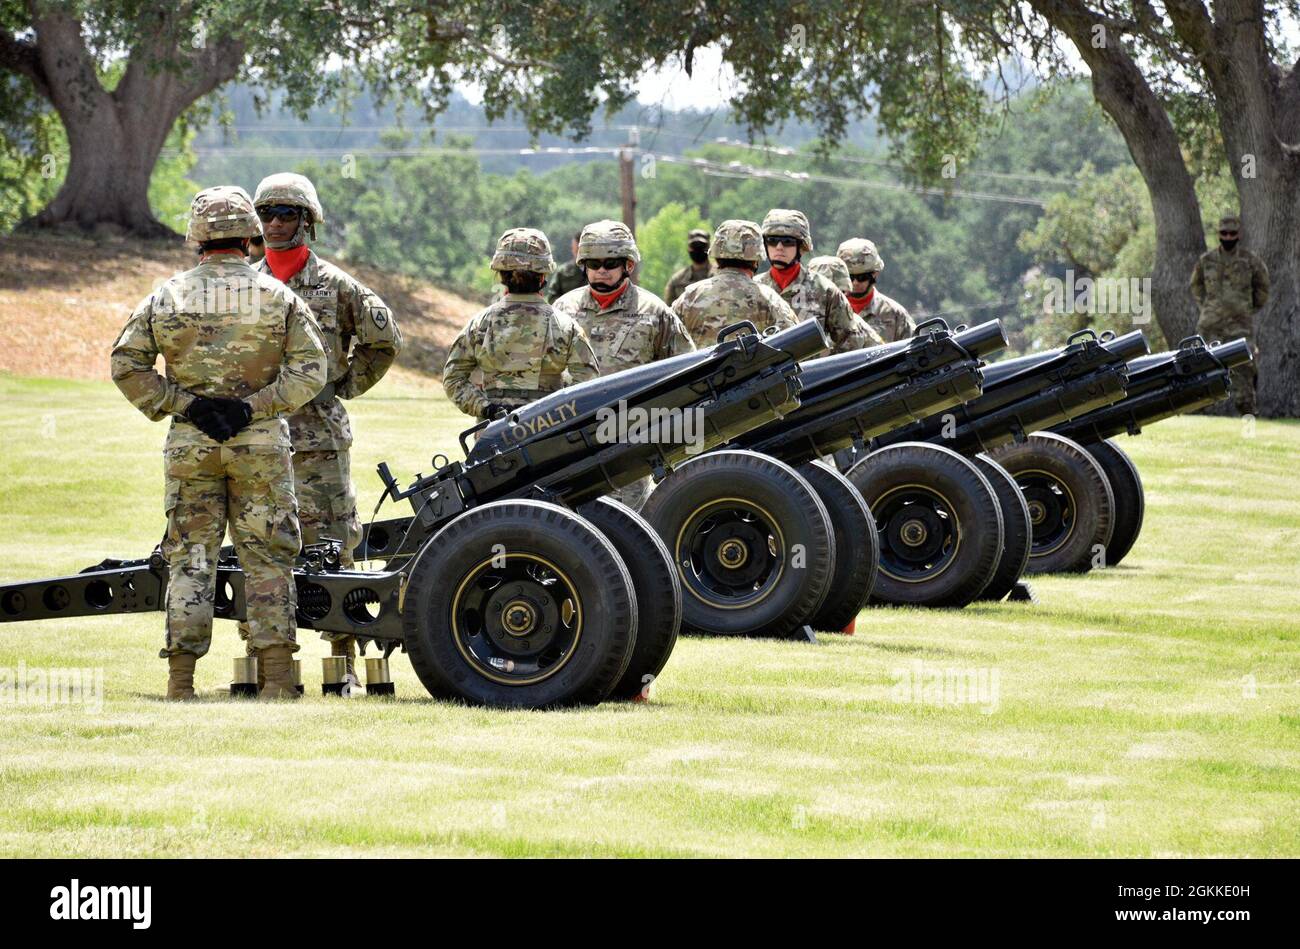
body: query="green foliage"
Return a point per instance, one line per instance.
(662, 242)
(170, 189)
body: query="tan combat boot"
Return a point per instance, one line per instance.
(347, 649)
(180, 676)
(275, 666)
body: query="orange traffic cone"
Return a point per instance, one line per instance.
(848, 630)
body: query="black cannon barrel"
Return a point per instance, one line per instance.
(1162, 385)
(1030, 393)
(850, 397)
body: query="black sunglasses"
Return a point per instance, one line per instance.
(609, 263)
(272, 212)
(860, 277)
(782, 241)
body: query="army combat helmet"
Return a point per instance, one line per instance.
(861, 256)
(783, 222)
(523, 248)
(606, 239)
(296, 191)
(833, 269)
(221, 212)
(737, 240)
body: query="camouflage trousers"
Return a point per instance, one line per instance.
(251, 490)
(327, 507)
(1244, 378)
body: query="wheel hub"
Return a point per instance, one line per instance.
(914, 532)
(729, 552)
(919, 533)
(733, 553)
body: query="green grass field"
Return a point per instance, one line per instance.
(1148, 710)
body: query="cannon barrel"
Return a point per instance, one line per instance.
(849, 398)
(1030, 393)
(1162, 385)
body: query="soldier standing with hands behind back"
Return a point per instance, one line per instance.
(240, 352)
(1230, 284)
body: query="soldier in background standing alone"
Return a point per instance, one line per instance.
(1230, 283)
(697, 248)
(240, 352)
(521, 344)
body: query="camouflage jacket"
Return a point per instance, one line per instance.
(523, 347)
(727, 297)
(361, 342)
(223, 329)
(888, 317)
(679, 281)
(814, 297)
(1229, 286)
(637, 328)
(567, 277)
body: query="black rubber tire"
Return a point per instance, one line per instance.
(857, 548)
(922, 469)
(658, 592)
(790, 592)
(1017, 534)
(1048, 466)
(1130, 498)
(589, 560)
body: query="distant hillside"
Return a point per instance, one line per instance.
(66, 299)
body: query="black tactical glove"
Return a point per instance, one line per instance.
(495, 409)
(235, 414)
(206, 414)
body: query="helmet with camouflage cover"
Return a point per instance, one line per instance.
(833, 269)
(523, 248)
(783, 222)
(221, 212)
(605, 239)
(737, 240)
(698, 235)
(289, 188)
(861, 256)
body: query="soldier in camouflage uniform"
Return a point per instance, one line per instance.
(626, 324)
(786, 237)
(1230, 283)
(732, 294)
(240, 353)
(697, 248)
(361, 342)
(568, 277)
(885, 315)
(522, 345)
(834, 270)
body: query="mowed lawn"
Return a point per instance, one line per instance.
(1148, 710)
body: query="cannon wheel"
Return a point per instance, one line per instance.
(751, 541)
(1017, 534)
(939, 521)
(857, 548)
(1130, 498)
(658, 591)
(520, 604)
(1071, 505)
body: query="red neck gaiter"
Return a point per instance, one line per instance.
(604, 300)
(285, 263)
(861, 303)
(785, 277)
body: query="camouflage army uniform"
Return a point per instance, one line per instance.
(727, 297)
(1229, 286)
(887, 317)
(567, 278)
(361, 342)
(634, 329)
(813, 297)
(690, 274)
(225, 330)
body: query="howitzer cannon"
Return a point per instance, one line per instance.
(766, 538)
(1192, 377)
(498, 590)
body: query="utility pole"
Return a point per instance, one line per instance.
(627, 185)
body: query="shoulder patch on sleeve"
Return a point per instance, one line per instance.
(380, 315)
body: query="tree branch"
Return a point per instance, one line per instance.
(23, 58)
